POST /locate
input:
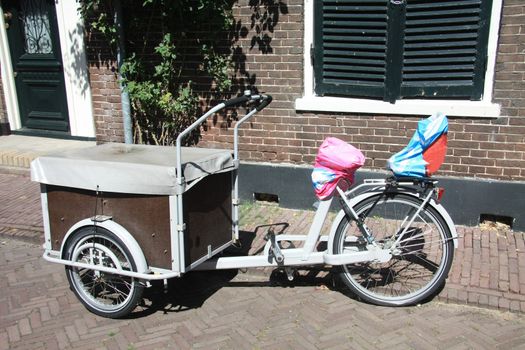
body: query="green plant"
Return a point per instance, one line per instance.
(177, 58)
(162, 104)
(98, 16)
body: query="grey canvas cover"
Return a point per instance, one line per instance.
(124, 168)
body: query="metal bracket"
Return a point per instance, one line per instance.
(290, 273)
(180, 187)
(101, 218)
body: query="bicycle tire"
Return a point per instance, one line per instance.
(426, 251)
(104, 294)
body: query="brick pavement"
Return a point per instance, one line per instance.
(20, 212)
(488, 269)
(231, 310)
(258, 309)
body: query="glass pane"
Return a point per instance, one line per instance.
(37, 30)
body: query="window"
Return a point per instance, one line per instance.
(404, 52)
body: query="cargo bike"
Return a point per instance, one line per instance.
(119, 216)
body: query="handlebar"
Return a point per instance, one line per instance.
(237, 101)
(264, 100)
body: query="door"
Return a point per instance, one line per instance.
(34, 44)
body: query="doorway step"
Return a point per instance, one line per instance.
(17, 151)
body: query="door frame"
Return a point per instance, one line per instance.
(8, 79)
(76, 77)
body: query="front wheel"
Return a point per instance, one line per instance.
(421, 258)
(105, 294)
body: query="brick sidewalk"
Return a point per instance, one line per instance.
(488, 268)
(231, 310)
(20, 211)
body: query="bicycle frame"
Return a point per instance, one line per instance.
(275, 256)
(272, 255)
(180, 232)
(378, 186)
(278, 257)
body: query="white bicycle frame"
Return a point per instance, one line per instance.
(273, 255)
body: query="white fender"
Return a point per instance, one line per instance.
(118, 231)
(353, 201)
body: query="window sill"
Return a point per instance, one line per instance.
(479, 109)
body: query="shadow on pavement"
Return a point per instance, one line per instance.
(192, 289)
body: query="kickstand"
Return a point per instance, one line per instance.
(274, 246)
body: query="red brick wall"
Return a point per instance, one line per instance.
(105, 91)
(504, 139)
(107, 110)
(488, 148)
(271, 60)
(279, 134)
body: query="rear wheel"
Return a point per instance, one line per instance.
(420, 260)
(105, 294)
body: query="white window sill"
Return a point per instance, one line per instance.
(479, 109)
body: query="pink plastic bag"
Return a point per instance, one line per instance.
(336, 160)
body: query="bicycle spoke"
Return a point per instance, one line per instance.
(121, 296)
(118, 290)
(418, 257)
(410, 238)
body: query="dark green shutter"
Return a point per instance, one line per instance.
(394, 49)
(350, 47)
(445, 48)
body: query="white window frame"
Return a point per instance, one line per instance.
(484, 108)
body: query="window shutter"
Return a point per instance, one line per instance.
(445, 48)
(350, 41)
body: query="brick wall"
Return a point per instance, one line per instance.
(486, 148)
(268, 55)
(105, 91)
(508, 143)
(271, 61)
(107, 110)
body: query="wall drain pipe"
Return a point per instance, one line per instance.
(121, 55)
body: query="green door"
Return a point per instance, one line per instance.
(37, 64)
